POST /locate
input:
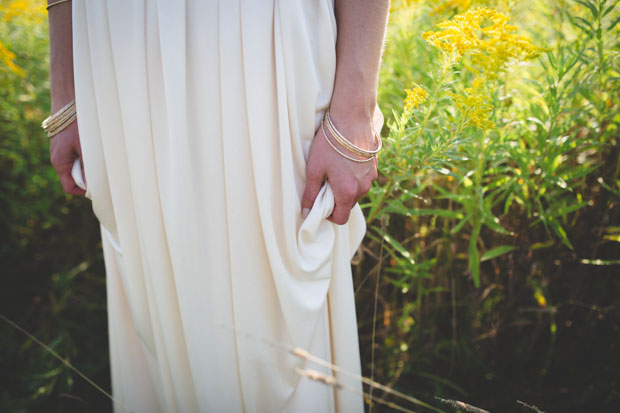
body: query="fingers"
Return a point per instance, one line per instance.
(346, 196)
(64, 149)
(68, 185)
(314, 181)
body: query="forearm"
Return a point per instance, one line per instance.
(61, 54)
(361, 32)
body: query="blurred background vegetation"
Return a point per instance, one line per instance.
(492, 256)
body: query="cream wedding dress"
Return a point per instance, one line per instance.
(195, 120)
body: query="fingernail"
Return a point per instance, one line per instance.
(305, 212)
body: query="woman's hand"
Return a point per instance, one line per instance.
(65, 146)
(64, 150)
(361, 30)
(349, 180)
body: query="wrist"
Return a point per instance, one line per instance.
(61, 88)
(59, 100)
(355, 122)
(353, 102)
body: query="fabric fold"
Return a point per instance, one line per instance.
(196, 118)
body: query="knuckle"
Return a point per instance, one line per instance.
(349, 191)
(341, 219)
(365, 187)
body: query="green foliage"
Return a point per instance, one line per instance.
(52, 277)
(463, 206)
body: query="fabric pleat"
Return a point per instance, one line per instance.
(195, 119)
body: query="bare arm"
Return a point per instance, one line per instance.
(361, 32)
(64, 147)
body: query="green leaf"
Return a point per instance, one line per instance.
(496, 252)
(493, 223)
(423, 211)
(580, 22)
(600, 262)
(613, 23)
(609, 9)
(399, 247)
(557, 228)
(542, 245)
(461, 223)
(589, 6)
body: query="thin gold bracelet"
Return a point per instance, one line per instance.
(68, 108)
(339, 151)
(347, 144)
(57, 122)
(62, 126)
(55, 3)
(56, 119)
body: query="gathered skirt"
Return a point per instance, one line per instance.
(195, 120)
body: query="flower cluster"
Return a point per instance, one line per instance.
(415, 97)
(474, 109)
(7, 57)
(486, 35)
(30, 11)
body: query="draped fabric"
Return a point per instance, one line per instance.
(195, 120)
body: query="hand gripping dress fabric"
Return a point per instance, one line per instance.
(195, 120)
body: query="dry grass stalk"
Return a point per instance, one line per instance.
(530, 406)
(461, 405)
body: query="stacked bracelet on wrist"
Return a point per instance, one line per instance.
(56, 123)
(345, 143)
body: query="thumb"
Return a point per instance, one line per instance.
(314, 182)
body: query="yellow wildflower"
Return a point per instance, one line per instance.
(29, 11)
(492, 46)
(7, 57)
(474, 109)
(540, 298)
(32, 11)
(415, 97)
(452, 5)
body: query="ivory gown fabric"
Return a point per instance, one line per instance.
(195, 119)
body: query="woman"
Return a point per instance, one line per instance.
(206, 158)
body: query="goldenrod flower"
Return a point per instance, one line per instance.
(474, 107)
(7, 57)
(492, 46)
(415, 97)
(30, 11)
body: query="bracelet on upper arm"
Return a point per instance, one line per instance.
(55, 3)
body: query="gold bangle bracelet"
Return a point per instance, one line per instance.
(57, 119)
(57, 122)
(68, 108)
(55, 3)
(339, 151)
(53, 132)
(347, 144)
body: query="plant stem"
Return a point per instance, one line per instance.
(431, 106)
